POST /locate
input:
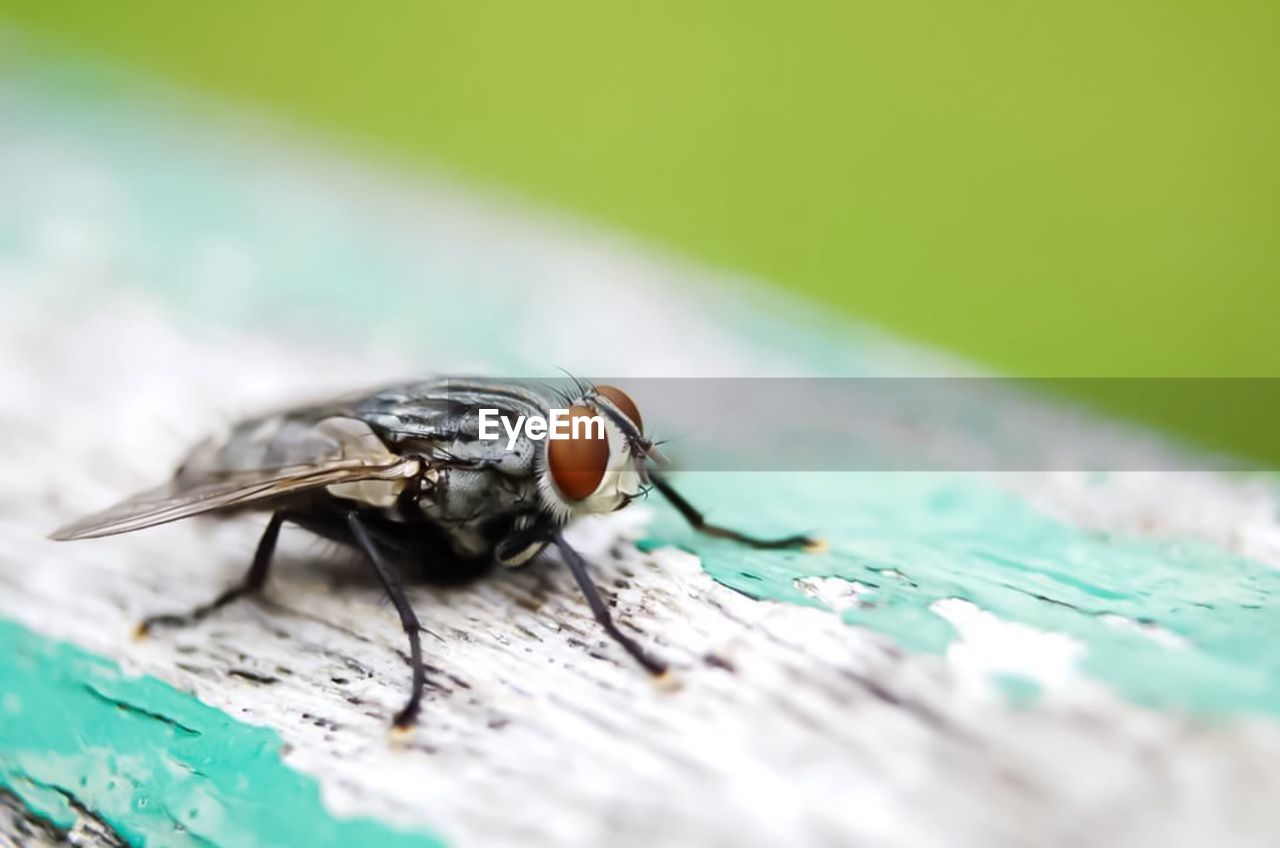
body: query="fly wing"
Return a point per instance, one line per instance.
(354, 457)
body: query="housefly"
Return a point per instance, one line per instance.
(403, 475)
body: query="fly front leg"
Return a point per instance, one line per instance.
(250, 584)
(695, 518)
(390, 580)
(578, 567)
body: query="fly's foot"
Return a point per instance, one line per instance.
(406, 720)
(400, 734)
(198, 614)
(144, 628)
(816, 546)
(799, 542)
(808, 544)
(657, 668)
(667, 681)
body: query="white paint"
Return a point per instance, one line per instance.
(838, 593)
(1160, 635)
(989, 645)
(1239, 512)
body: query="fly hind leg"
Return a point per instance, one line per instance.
(251, 583)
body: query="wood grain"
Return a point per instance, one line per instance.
(788, 727)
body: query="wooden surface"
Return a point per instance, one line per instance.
(789, 726)
(20, 828)
(539, 731)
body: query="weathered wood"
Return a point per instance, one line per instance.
(539, 730)
(788, 727)
(19, 828)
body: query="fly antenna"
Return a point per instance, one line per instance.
(578, 384)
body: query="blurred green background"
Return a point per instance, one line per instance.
(1070, 189)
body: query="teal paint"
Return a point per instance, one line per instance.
(958, 536)
(1018, 690)
(158, 766)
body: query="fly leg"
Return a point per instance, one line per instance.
(251, 583)
(390, 580)
(695, 518)
(578, 567)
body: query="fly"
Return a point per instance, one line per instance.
(402, 474)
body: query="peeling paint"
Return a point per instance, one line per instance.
(79, 738)
(1210, 618)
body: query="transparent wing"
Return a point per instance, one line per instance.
(172, 502)
(354, 456)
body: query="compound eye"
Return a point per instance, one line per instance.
(624, 403)
(577, 465)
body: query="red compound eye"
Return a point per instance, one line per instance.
(578, 464)
(624, 403)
